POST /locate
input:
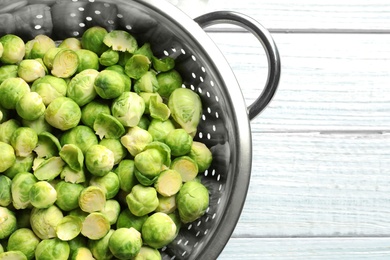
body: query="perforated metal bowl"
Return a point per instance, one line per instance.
(225, 124)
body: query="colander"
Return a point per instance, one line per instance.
(225, 123)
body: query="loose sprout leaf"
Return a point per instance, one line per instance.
(69, 227)
(108, 126)
(49, 169)
(48, 145)
(120, 40)
(164, 64)
(73, 156)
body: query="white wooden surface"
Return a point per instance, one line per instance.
(320, 185)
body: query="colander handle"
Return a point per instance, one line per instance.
(263, 35)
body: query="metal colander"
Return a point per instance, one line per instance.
(224, 126)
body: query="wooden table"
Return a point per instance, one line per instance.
(320, 185)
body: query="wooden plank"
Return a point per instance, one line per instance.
(318, 185)
(309, 248)
(330, 82)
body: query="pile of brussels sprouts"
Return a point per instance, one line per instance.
(98, 159)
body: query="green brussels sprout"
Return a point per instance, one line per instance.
(92, 39)
(7, 155)
(7, 128)
(7, 222)
(91, 110)
(186, 109)
(37, 47)
(126, 219)
(30, 106)
(23, 240)
(5, 191)
(158, 110)
(116, 147)
(69, 228)
(53, 248)
(48, 145)
(20, 188)
(148, 253)
(136, 139)
(125, 243)
(168, 183)
(72, 176)
(44, 221)
(111, 210)
(49, 169)
(14, 49)
(186, 166)
(137, 66)
(142, 200)
(22, 164)
(78, 212)
(160, 129)
(146, 96)
(202, 155)
(109, 58)
(125, 172)
(179, 141)
(87, 60)
(82, 253)
(144, 122)
(99, 160)
(42, 195)
(39, 125)
(30, 70)
(48, 58)
(14, 255)
(108, 126)
(109, 84)
(158, 230)
(78, 242)
(128, 108)
(109, 183)
(147, 83)
(11, 90)
(63, 113)
(168, 81)
(176, 219)
(81, 87)
(24, 140)
(166, 205)
(120, 40)
(99, 248)
(95, 226)
(163, 64)
(72, 155)
(65, 63)
(70, 43)
(82, 136)
(8, 71)
(49, 88)
(68, 195)
(192, 201)
(92, 199)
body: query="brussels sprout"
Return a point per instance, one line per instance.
(5, 191)
(109, 183)
(144, 122)
(70, 43)
(192, 201)
(186, 166)
(91, 110)
(148, 253)
(39, 125)
(108, 126)
(44, 221)
(8, 71)
(176, 219)
(72, 176)
(13, 49)
(49, 169)
(78, 242)
(7, 222)
(7, 155)
(68, 195)
(158, 230)
(14, 255)
(72, 155)
(95, 226)
(30, 70)
(109, 84)
(136, 139)
(125, 172)
(82, 253)
(22, 164)
(168, 183)
(24, 140)
(78, 212)
(37, 47)
(49, 88)
(92, 199)
(168, 82)
(20, 188)
(137, 66)
(99, 248)
(23, 240)
(202, 155)
(116, 147)
(81, 87)
(99, 160)
(87, 60)
(82, 136)
(53, 248)
(179, 141)
(186, 109)
(126, 219)
(92, 39)
(109, 58)
(30, 106)
(111, 210)
(48, 145)
(164, 64)
(142, 200)
(160, 129)
(125, 243)
(120, 40)
(7, 128)
(63, 113)
(11, 90)
(65, 63)
(69, 228)
(128, 108)
(166, 205)
(48, 58)
(147, 83)
(158, 110)
(42, 195)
